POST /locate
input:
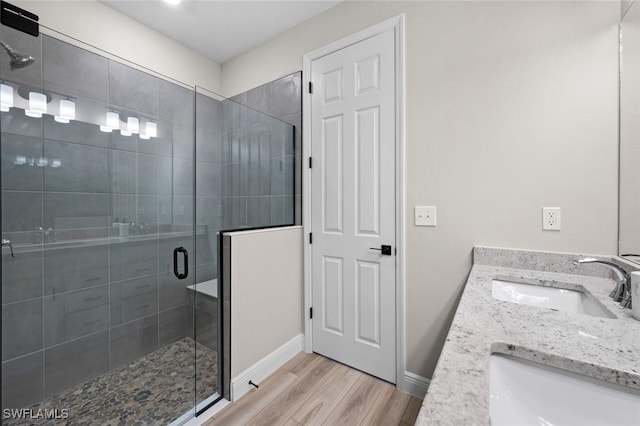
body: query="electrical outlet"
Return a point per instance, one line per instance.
(424, 215)
(551, 219)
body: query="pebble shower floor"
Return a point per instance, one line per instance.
(155, 389)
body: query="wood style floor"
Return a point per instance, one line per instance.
(313, 390)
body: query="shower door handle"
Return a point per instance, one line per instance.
(185, 255)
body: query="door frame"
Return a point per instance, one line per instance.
(397, 25)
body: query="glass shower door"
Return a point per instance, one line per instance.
(208, 223)
(22, 182)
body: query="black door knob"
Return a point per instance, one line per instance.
(384, 249)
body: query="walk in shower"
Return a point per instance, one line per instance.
(115, 183)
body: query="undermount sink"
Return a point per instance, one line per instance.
(528, 393)
(548, 297)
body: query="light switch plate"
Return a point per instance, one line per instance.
(424, 215)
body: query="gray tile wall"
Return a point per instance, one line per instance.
(263, 161)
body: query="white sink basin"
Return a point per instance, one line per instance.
(527, 393)
(548, 297)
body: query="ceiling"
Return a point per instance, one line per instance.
(219, 29)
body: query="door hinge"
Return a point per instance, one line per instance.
(310, 87)
(310, 162)
(310, 313)
(310, 237)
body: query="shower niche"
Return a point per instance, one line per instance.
(115, 183)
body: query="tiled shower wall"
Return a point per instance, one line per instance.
(280, 99)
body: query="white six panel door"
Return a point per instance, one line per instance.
(353, 205)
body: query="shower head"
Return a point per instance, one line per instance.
(17, 59)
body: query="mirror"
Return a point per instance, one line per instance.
(629, 229)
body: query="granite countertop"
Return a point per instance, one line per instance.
(604, 348)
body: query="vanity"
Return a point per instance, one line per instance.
(537, 338)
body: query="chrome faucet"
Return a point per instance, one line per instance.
(6, 242)
(50, 236)
(622, 292)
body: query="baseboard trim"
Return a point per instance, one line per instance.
(266, 366)
(415, 385)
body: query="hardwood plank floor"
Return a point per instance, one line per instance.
(319, 406)
(313, 390)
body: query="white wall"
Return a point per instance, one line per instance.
(98, 25)
(266, 293)
(511, 106)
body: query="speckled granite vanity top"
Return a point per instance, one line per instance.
(605, 348)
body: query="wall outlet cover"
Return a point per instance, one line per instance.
(551, 219)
